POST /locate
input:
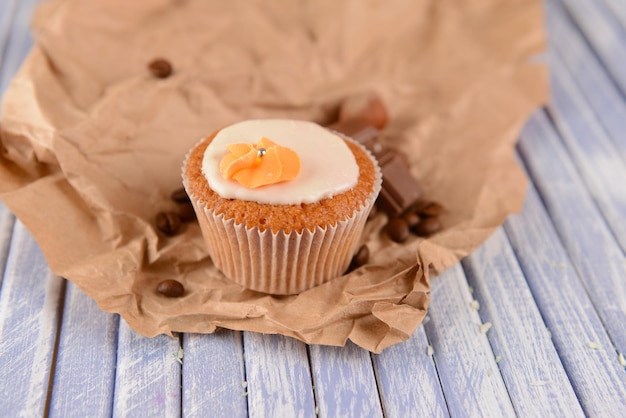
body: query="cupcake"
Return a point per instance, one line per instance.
(281, 203)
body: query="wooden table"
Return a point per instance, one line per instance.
(532, 324)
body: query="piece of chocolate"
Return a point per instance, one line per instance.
(401, 194)
(171, 288)
(359, 130)
(399, 190)
(385, 154)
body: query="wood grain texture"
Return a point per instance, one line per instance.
(345, 385)
(7, 221)
(465, 361)
(278, 376)
(214, 381)
(29, 311)
(587, 239)
(591, 149)
(148, 379)
(7, 9)
(595, 374)
(408, 381)
(617, 9)
(530, 365)
(84, 376)
(604, 32)
(599, 91)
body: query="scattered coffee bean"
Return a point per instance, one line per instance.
(427, 208)
(397, 229)
(427, 226)
(186, 212)
(361, 257)
(171, 288)
(168, 223)
(411, 219)
(180, 196)
(160, 68)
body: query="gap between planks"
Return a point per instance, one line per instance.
(55, 347)
(7, 223)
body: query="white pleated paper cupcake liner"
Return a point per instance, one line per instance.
(278, 262)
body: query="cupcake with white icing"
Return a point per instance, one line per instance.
(281, 203)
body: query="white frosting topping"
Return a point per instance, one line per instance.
(327, 166)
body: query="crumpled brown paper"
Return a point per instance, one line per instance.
(92, 144)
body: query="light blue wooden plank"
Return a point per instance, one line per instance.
(7, 9)
(618, 10)
(587, 239)
(19, 42)
(345, 385)
(407, 378)
(467, 367)
(595, 156)
(29, 311)
(84, 375)
(278, 376)
(600, 92)
(530, 366)
(214, 382)
(605, 34)
(148, 382)
(596, 375)
(7, 220)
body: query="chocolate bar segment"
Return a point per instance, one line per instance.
(359, 130)
(400, 190)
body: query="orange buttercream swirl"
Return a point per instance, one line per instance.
(259, 165)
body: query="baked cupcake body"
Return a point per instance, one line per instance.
(288, 237)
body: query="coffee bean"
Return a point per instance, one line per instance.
(361, 257)
(411, 219)
(171, 288)
(168, 223)
(397, 229)
(180, 196)
(160, 68)
(427, 226)
(186, 212)
(429, 208)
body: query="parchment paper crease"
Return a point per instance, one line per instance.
(92, 144)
